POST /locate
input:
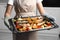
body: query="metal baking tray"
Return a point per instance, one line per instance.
(14, 29)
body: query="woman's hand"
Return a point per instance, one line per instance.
(6, 22)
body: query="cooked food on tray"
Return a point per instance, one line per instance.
(28, 24)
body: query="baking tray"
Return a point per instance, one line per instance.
(14, 29)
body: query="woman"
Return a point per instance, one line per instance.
(23, 8)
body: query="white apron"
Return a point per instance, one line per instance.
(25, 8)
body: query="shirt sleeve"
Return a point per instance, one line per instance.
(10, 2)
(38, 1)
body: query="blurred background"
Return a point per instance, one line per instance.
(52, 7)
(51, 3)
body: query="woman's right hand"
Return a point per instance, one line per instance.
(6, 21)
